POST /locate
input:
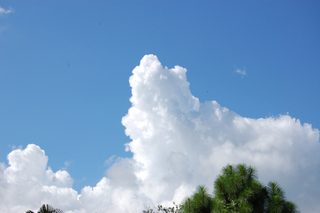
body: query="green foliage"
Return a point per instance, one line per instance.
(236, 190)
(276, 200)
(200, 202)
(290, 207)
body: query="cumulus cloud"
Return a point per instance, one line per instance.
(27, 182)
(4, 11)
(177, 144)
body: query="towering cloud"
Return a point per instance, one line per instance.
(177, 144)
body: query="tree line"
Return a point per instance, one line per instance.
(236, 190)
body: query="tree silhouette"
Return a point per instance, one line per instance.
(45, 208)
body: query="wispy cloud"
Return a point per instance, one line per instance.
(241, 71)
(4, 11)
(66, 165)
(13, 147)
(110, 160)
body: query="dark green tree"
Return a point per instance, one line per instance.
(276, 202)
(291, 207)
(200, 202)
(238, 190)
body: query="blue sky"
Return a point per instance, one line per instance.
(65, 66)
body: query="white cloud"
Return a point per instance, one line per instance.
(27, 182)
(241, 71)
(4, 11)
(110, 160)
(177, 144)
(66, 165)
